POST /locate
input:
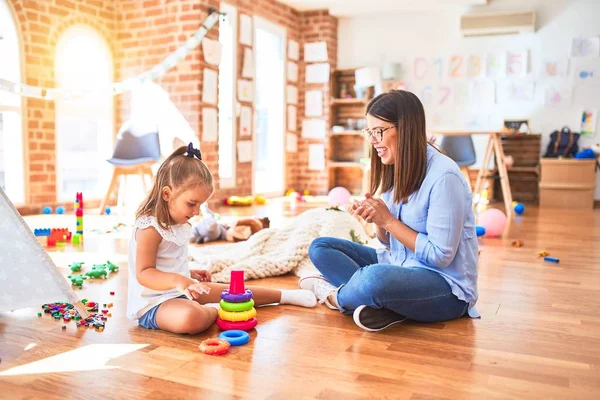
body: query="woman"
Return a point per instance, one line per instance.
(424, 218)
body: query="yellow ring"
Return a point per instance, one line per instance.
(234, 316)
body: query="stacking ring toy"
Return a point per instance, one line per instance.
(237, 307)
(236, 298)
(214, 346)
(235, 338)
(230, 326)
(237, 316)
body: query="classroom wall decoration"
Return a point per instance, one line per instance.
(589, 118)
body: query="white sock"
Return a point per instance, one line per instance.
(298, 297)
(216, 306)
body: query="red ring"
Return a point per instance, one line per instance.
(242, 325)
(214, 346)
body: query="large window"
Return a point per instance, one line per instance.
(84, 125)
(11, 126)
(227, 99)
(269, 164)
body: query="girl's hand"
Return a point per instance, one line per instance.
(192, 289)
(375, 211)
(200, 275)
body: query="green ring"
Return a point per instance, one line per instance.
(237, 307)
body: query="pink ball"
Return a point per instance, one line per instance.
(494, 221)
(339, 196)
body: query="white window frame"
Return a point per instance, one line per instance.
(230, 182)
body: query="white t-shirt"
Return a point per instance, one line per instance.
(172, 256)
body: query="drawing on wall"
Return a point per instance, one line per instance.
(589, 118)
(555, 68)
(557, 96)
(495, 65)
(586, 47)
(517, 63)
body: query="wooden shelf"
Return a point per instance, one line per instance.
(347, 133)
(336, 164)
(347, 101)
(535, 170)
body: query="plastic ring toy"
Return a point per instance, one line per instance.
(236, 298)
(231, 326)
(214, 346)
(236, 337)
(237, 307)
(237, 316)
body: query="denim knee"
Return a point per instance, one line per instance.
(316, 247)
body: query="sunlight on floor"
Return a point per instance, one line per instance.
(88, 358)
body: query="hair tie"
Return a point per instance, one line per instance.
(191, 152)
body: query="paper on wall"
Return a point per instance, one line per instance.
(244, 151)
(495, 65)
(313, 103)
(212, 51)
(291, 143)
(292, 71)
(589, 119)
(317, 73)
(245, 29)
(293, 50)
(555, 67)
(291, 118)
(517, 63)
(245, 90)
(313, 128)
(209, 86)
(482, 92)
(586, 47)
(515, 91)
(292, 94)
(248, 65)
(555, 96)
(315, 52)
(245, 121)
(316, 157)
(210, 130)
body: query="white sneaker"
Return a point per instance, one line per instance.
(320, 287)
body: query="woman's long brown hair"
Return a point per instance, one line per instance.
(179, 172)
(405, 176)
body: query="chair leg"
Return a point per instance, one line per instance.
(111, 187)
(465, 172)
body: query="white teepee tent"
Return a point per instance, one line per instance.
(28, 276)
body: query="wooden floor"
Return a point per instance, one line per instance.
(539, 336)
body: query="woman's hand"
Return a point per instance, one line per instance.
(374, 210)
(200, 275)
(192, 289)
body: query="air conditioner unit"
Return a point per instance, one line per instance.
(499, 23)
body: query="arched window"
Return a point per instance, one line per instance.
(85, 124)
(11, 126)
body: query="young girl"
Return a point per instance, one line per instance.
(163, 292)
(424, 218)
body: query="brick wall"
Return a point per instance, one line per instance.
(140, 34)
(317, 26)
(41, 23)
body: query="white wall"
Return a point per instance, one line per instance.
(371, 40)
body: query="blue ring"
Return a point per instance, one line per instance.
(235, 337)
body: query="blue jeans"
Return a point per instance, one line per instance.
(416, 293)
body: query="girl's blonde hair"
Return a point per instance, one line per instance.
(180, 171)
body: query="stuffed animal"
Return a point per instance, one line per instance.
(208, 230)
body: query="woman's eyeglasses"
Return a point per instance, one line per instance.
(376, 133)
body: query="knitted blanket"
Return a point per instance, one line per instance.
(276, 251)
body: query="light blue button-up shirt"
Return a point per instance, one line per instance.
(441, 213)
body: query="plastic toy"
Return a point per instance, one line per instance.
(112, 267)
(97, 273)
(107, 211)
(47, 210)
(76, 266)
(552, 259)
(208, 230)
(41, 232)
(112, 293)
(60, 210)
(237, 307)
(79, 213)
(236, 316)
(493, 221)
(480, 231)
(77, 280)
(519, 208)
(237, 310)
(214, 346)
(543, 253)
(338, 196)
(235, 338)
(517, 243)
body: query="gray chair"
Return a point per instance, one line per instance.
(135, 153)
(462, 150)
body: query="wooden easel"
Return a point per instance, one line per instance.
(494, 146)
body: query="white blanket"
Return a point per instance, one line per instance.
(276, 251)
